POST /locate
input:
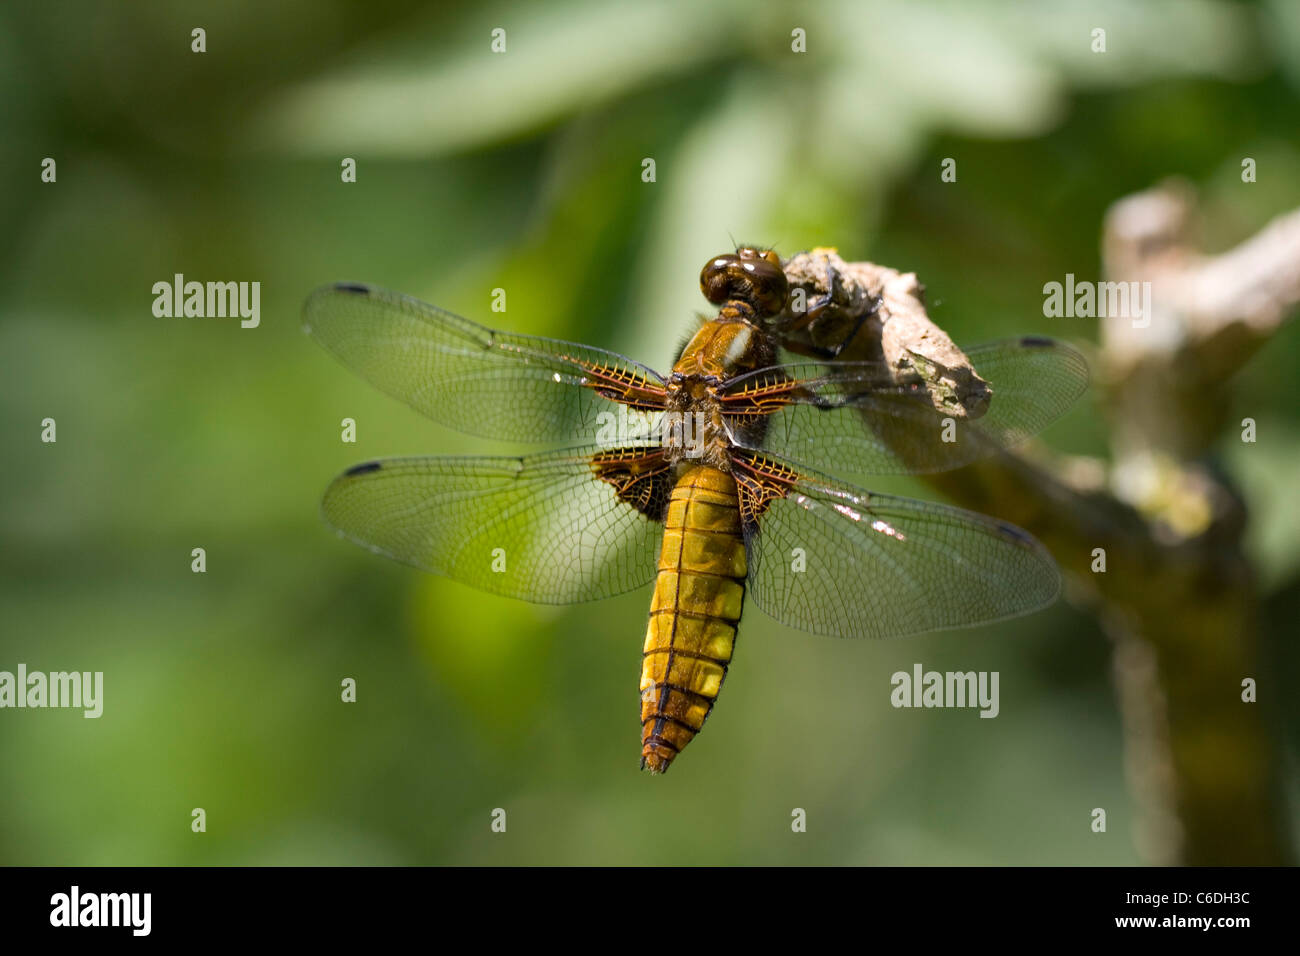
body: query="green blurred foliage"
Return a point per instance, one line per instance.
(523, 170)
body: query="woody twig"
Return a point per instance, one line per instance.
(1178, 596)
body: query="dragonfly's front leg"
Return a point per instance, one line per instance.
(822, 310)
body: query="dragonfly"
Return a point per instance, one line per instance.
(716, 482)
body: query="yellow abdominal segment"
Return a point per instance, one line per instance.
(697, 602)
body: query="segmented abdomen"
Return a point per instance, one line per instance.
(699, 591)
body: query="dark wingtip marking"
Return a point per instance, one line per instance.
(363, 469)
(1008, 529)
(1037, 342)
(360, 288)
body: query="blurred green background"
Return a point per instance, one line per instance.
(523, 170)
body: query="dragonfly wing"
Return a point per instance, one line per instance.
(856, 417)
(543, 528)
(477, 380)
(834, 559)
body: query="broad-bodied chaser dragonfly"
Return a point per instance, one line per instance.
(699, 480)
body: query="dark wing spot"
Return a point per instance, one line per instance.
(1037, 342)
(1019, 535)
(359, 288)
(364, 468)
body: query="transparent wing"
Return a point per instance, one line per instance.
(542, 528)
(854, 417)
(477, 380)
(834, 559)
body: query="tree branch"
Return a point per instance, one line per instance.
(1178, 596)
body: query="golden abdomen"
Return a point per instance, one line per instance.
(698, 595)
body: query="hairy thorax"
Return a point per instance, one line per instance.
(695, 431)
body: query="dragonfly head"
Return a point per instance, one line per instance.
(750, 275)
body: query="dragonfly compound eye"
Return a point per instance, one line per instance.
(749, 276)
(753, 252)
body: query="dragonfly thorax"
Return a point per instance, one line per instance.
(693, 429)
